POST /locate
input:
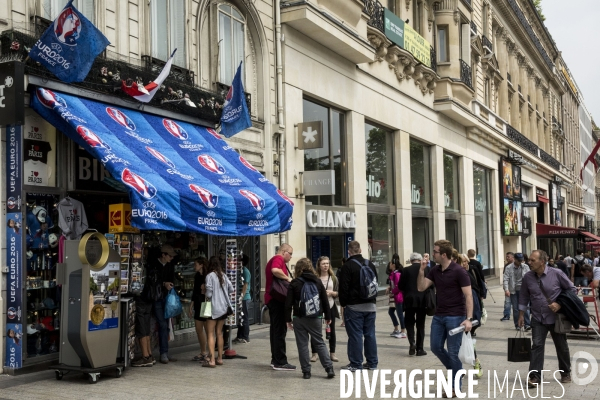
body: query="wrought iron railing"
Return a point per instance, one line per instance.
(466, 76)
(508, 77)
(558, 124)
(473, 27)
(223, 89)
(519, 87)
(178, 92)
(529, 98)
(487, 43)
(548, 159)
(531, 33)
(374, 10)
(467, 2)
(521, 140)
(433, 58)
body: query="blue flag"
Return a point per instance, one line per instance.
(69, 46)
(235, 117)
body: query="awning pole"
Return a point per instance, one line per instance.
(280, 116)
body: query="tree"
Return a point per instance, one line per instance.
(538, 8)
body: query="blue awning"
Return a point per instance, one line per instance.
(180, 176)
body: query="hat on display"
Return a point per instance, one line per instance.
(168, 249)
(48, 302)
(519, 256)
(40, 213)
(53, 239)
(29, 254)
(31, 330)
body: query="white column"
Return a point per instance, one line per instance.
(403, 192)
(357, 183)
(437, 193)
(467, 202)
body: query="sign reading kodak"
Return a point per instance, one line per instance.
(404, 36)
(119, 219)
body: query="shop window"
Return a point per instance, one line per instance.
(231, 42)
(331, 155)
(167, 25)
(380, 162)
(420, 175)
(451, 203)
(51, 8)
(421, 235)
(442, 44)
(483, 218)
(382, 242)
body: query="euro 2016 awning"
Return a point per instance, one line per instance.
(180, 176)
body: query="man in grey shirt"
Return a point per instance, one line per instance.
(513, 276)
(543, 314)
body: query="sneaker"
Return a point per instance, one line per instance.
(565, 378)
(366, 366)
(505, 318)
(421, 353)
(401, 335)
(477, 367)
(153, 359)
(285, 367)
(306, 375)
(395, 332)
(349, 367)
(164, 359)
(528, 328)
(142, 362)
(330, 372)
(412, 350)
(240, 341)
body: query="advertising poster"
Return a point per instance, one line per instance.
(14, 168)
(507, 180)
(104, 298)
(516, 181)
(14, 345)
(14, 290)
(513, 217)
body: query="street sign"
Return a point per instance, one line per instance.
(310, 135)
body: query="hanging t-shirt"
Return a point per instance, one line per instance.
(36, 150)
(36, 173)
(71, 218)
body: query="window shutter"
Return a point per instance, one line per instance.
(56, 7)
(87, 8)
(158, 26)
(225, 49)
(177, 31)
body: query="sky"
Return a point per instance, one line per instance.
(572, 26)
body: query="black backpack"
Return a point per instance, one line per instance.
(310, 300)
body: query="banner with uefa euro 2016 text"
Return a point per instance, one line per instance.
(180, 176)
(14, 291)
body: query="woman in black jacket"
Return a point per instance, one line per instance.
(308, 325)
(198, 297)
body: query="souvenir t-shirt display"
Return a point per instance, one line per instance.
(36, 150)
(71, 218)
(37, 173)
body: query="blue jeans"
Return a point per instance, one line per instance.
(581, 281)
(439, 335)
(514, 299)
(361, 324)
(507, 306)
(398, 310)
(163, 326)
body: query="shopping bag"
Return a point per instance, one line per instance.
(466, 354)
(519, 348)
(483, 317)
(206, 309)
(172, 305)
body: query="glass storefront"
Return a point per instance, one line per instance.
(420, 196)
(451, 200)
(379, 174)
(381, 242)
(483, 218)
(331, 155)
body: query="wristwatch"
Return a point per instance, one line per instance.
(470, 319)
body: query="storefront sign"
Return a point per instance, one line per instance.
(558, 180)
(373, 187)
(330, 218)
(543, 230)
(404, 36)
(310, 135)
(14, 291)
(91, 174)
(14, 167)
(12, 109)
(319, 182)
(527, 204)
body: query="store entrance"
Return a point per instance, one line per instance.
(332, 246)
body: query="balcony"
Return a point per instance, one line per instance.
(340, 26)
(508, 78)
(466, 75)
(519, 139)
(487, 44)
(473, 29)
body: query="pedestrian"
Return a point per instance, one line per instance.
(361, 308)
(414, 305)
(218, 289)
(337, 275)
(243, 332)
(330, 282)
(513, 278)
(477, 268)
(305, 294)
(540, 283)
(576, 276)
(198, 297)
(592, 274)
(396, 300)
(562, 265)
(510, 257)
(475, 290)
(277, 269)
(454, 300)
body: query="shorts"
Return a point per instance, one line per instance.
(143, 312)
(222, 317)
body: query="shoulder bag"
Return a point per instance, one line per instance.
(229, 308)
(562, 324)
(279, 287)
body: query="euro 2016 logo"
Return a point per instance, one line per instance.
(67, 27)
(584, 368)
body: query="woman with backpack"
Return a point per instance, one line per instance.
(395, 297)
(306, 305)
(218, 288)
(330, 283)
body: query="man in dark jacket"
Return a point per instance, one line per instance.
(414, 305)
(359, 313)
(562, 265)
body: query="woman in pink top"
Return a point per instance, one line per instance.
(396, 299)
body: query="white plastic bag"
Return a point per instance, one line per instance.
(483, 316)
(466, 353)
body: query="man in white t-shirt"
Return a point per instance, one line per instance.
(592, 274)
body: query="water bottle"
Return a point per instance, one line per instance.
(461, 328)
(327, 331)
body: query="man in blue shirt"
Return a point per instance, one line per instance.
(243, 333)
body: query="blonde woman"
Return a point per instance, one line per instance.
(330, 283)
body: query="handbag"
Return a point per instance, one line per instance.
(519, 348)
(279, 288)
(562, 323)
(430, 301)
(229, 308)
(206, 309)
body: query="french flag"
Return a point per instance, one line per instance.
(146, 93)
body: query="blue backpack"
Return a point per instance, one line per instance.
(310, 300)
(368, 281)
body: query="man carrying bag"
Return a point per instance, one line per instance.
(541, 286)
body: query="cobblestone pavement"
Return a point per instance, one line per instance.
(253, 378)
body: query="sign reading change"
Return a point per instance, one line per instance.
(405, 37)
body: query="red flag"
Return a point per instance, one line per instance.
(146, 93)
(591, 159)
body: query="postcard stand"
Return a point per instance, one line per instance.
(90, 308)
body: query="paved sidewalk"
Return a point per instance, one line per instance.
(254, 379)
